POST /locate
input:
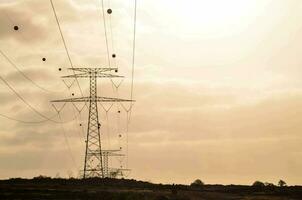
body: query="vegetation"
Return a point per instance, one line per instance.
(46, 188)
(197, 183)
(281, 183)
(258, 184)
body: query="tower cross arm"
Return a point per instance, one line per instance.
(119, 169)
(97, 99)
(104, 69)
(97, 75)
(110, 152)
(115, 154)
(110, 99)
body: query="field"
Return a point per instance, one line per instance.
(124, 189)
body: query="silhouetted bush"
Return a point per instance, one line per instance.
(258, 184)
(43, 187)
(174, 190)
(197, 183)
(42, 177)
(281, 183)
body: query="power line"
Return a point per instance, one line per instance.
(33, 122)
(105, 31)
(132, 79)
(71, 64)
(133, 51)
(67, 143)
(30, 106)
(40, 114)
(24, 101)
(133, 58)
(22, 73)
(112, 39)
(64, 42)
(22, 121)
(17, 68)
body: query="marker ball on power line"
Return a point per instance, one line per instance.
(109, 11)
(16, 28)
(113, 55)
(119, 111)
(60, 69)
(116, 70)
(44, 59)
(120, 147)
(72, 94)
(120, 135)
(80, 124)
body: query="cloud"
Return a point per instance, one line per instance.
(33, 74)
(219, 110)
(29, 30)
(217, 117)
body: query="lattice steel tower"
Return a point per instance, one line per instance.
(94, 163)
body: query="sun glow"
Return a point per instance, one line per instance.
(213, 17)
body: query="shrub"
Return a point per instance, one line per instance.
(197, 183)
(258, 184)
(281, 183)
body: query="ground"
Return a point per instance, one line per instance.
(124, 189)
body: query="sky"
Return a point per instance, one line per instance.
(217, 88)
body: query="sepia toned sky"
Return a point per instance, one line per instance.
(217, 85)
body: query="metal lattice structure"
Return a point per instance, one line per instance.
(94, 165)
(106, 154)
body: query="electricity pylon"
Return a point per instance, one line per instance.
(106, 154)
(93, 165)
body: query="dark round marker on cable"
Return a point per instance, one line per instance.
(119, 111)
(113, 55)
(72, 94)
(109, 11)
(60, 69)
(116, 70)
(44, 59)
(16, 28)
(80, 124)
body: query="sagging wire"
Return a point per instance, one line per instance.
(25, 76)
(113, 55)
(18, 69)
(105, 31)
(67, 142)
(107, 122)
(28, 104)
(77, 121)
(33, 122)
(65, 45)
(132, 76)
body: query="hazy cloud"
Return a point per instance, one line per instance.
(220, 104)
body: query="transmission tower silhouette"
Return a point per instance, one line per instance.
(110, 172)
(94, 156)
